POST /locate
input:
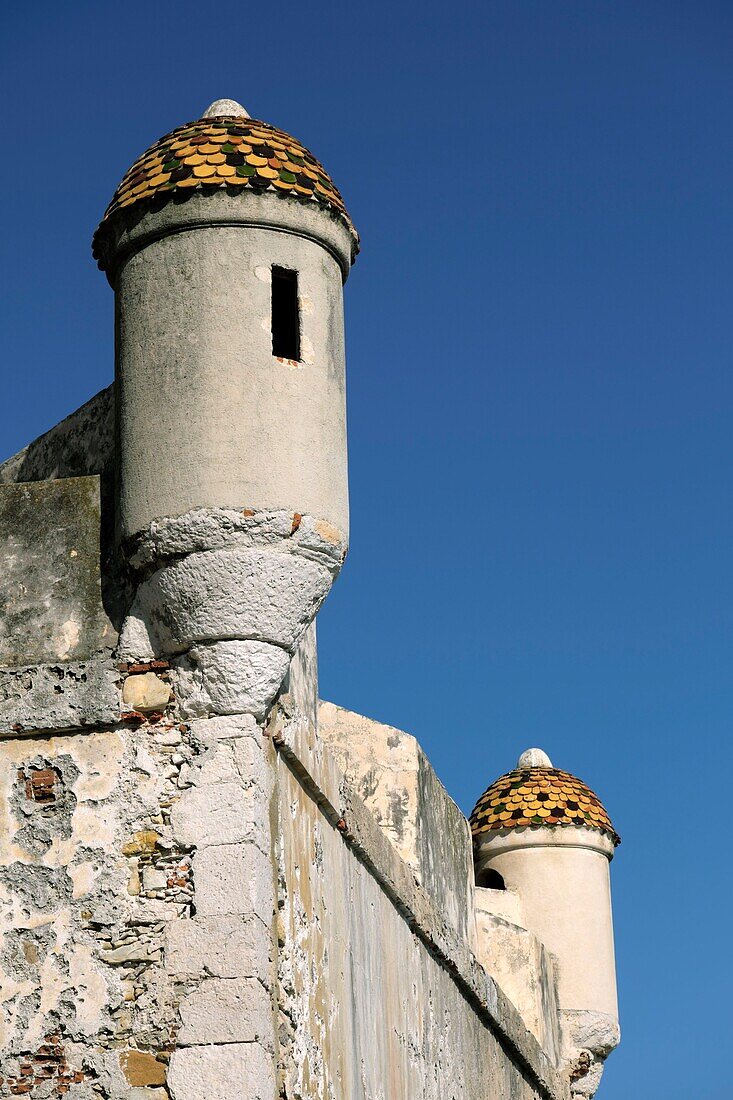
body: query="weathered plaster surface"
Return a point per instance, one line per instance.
(50, 585)
(136, 905)
(194, 323)
(394, 777)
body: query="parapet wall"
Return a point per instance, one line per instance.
(379, 996)
(391, 773)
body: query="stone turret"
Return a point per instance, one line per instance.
(543, 839)
(227, 246)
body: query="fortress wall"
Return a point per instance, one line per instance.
(51, 606)
(195, 904)
(378, 995)
(136, 908)
(389, 770)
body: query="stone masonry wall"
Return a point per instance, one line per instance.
(187, 916)
(379, 998)
(195, 904)
(137, 898)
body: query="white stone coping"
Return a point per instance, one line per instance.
(496, 842)
(315, 768)
(133, 231)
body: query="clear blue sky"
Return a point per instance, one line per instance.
(540, 392)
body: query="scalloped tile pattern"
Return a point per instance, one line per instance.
(240, 154)
(539, 796)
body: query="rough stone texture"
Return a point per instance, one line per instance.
(58, 697)
(221, 528)
(245, 592)
(78, 446)
(393, 776)
(226, 950)
(403, 1014)
(588, 1039)
(224, 947)
(222, 1073)
(227, 1010)
(106, 839)
(224, 813)
(50, 590)
(233, 879)
(523, 968)
(66, 909)
(229, 678)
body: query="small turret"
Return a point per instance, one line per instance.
(227, 245)
(544, 835)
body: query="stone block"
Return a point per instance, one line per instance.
(242, 592)
(219, 813)
(59, 696)
(233, 879)
(225, 947)
(146, 692)
(241, 1070)
(233, 677)
(225, 727)
(242, 761)
(226, 1010)
(142, 1068)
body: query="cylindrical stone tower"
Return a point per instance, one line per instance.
(227, 246)
(544, 834)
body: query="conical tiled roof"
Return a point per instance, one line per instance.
(533, 796)
(229, 152)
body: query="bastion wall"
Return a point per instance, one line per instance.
(201, 895)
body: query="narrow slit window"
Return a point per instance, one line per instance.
(285, 314)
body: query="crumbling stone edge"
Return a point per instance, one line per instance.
(312, 764)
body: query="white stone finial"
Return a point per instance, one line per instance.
(225, 107)
(534, 758)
